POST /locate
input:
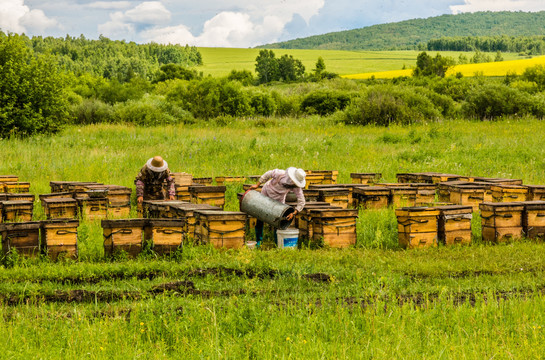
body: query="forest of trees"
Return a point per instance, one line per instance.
(528, 45)
(415, 34)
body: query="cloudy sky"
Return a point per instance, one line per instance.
(220, 23)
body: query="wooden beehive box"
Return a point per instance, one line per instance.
(454, 224)
(501, 221)
(417, 226)
(211, 195)
(365, 178)
(60, 238)
(71, 186)
(17, 210)
(336, 227)
(182, 193)
(508, 193)
(186, 211)
(535, 193)
(222, 180)
(9, 178)
(163, 209)
(23, 237)
(468, 194)
(402, 196)
(221, 229)
(533, 219)
(425, 193)
(321, 177)
(499, 181)
(336, 196)
(202, 181)
(372, 197)
(123, 235)
(19, 196)
(303, 219)
(16, 187)
(166, 236)
(117, 195)
(93, 208)
(60, 208)
(182, 178)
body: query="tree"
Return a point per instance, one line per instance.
(174, 71)
(428, 66)
(320, 67)
(32, 90)
(266, 67)
(290, 69)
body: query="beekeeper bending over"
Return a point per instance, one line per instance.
(277, 185)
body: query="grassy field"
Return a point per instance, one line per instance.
(372, 301)
(220, 61)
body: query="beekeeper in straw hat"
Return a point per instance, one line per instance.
(154, 181)
(278, 183)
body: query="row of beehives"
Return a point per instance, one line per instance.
(451, 224)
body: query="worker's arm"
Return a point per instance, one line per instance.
(300, 203)
(263, 179)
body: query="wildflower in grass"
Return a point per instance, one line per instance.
(288, 338)
(141, 324)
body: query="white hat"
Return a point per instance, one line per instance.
(157, 164)
(297, 176)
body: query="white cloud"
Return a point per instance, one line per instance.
(109, 5)
(16, 17)
(498, 5)
(116, 27)
(149, 12)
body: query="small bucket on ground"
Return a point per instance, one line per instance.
(287, 239)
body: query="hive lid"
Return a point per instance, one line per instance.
(119, 223)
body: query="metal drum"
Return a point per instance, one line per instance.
(264, 208)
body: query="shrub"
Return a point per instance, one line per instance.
(491, 101)
(325, 102)
(92, 111)
(150, 111)
(385, 105)
(245, 77)
(286, 105)
(263, 104)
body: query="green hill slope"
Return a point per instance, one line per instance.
(411, 34)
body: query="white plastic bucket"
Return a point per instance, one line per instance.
(287, 239)
(251, 244)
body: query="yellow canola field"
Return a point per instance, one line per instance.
(500, 68)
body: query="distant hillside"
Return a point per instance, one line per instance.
(414, 34)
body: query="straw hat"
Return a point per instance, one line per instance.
(297, 176)
(157, 164)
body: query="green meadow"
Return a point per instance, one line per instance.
(371, 301)
(220, 61)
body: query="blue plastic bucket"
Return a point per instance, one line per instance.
(287, 239)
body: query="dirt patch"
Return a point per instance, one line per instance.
(318, 277)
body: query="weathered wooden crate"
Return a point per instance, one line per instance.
(221, 229)
(365, 178)
(508, 193)
(60, 208)
(336, 196)
(60, 238)
(93, 208)
(182, 193)
(533, 219)
(335, 227)
(71, 186)
(16, 187)
(222, 180)
(117, 195)
(417, 226)
(185, 211)
(165, 236)
(9, 178)
(465, 194)
(57, 195)
(118, 211)
(202, 181)
(372, 197)
(162, 209)
(321, 177)
(535, 193)
(23, 237)
(402, 196)
(17, 210)
(182, 178)
(454, 224)
(501, 221)
(498, 181)
(303, 219)
(19, 196)
(425, 193)
(123, 235)
(211, 195)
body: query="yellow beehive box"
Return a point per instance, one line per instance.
(17, 210)
(16, 187)
(535, 193)
(93, 208)
(501, 214)
(417, 226)
(509, 193)
(124, 235)
(454, 224)
(336, 196)
(182, 178)
(336, 227)
(23, 237)
(60, 238)
(221, 229)
(365, 178)
(372, 197)
(60, 208)
(533, 219)
(402, 196)
(165, 236)
(211, 195)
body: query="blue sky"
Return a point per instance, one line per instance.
(215, 23)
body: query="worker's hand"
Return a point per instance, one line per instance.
(172, 197)
(291, 216)
(140, 199)
(254, 186)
